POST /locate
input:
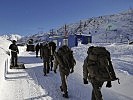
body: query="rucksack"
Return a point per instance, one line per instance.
(52, 46)
(65, 55)
(45, 51)
(100, 65)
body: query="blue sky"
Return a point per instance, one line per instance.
(27, 17)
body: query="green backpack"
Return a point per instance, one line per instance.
(45, 51)
(100, 65)
(65, 58)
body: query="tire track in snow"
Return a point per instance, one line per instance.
(123, 65)
(49, 84)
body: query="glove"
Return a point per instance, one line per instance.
(109, 85)
(8, 52)
(71, 71)
(85, 81)
(55, 71)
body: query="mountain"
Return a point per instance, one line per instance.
(12, 37)
(108, 28)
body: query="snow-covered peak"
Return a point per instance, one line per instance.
(12, 37)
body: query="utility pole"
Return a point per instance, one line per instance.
(65, 30)
(107, 30)
(66, 34)
(80, 26)
(106, 35)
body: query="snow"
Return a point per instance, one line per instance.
(30, 84)
(12, 37)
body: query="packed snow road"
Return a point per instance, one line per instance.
(31, 84)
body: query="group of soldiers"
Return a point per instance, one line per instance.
(48, 54)
(47, 50)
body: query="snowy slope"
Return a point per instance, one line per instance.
(109, 28)
(30, 84)
(4, 44)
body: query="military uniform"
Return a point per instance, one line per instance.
(98, 69)
(52, 47)
(64, 58)
(97, 85)
(45, 52)
(37, 49)
(41, 46)
(63, 74)
(14, 52)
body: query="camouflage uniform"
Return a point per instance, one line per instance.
(66, 65)
(63, 74)
(96, 92)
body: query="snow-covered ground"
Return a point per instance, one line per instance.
(30, 84)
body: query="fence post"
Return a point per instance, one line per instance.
(6, 67)
(5, 70)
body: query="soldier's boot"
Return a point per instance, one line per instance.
(48, 67)
(51, 66)
(45, 74)
(16, 65)
(65, 95)
(11, 66)
(47, 71)
(61, 88)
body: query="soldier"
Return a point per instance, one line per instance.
(14, 52)
(37, 49)
(97, 68)
(52, 47)
(97, 85)
(64, 69)
(45, 55)
(41, 46)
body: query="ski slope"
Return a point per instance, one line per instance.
(31, 84)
